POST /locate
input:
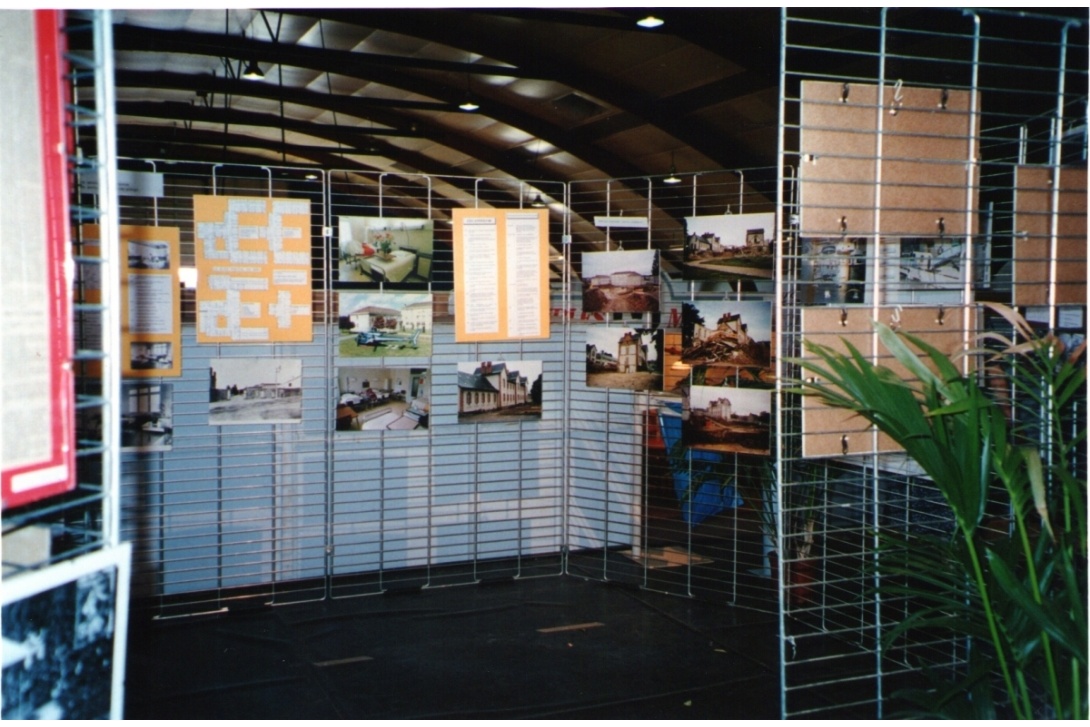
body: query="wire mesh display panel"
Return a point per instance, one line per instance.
(674, 516)
(940, 160)
(72, 96)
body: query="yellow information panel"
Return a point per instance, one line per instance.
(501, 274)
(253, 264)
(151, 307)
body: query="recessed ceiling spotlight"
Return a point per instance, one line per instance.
(650, 22)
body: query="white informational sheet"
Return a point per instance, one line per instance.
(151, 304)
(501, 274)
(523, 275)
(480, 251)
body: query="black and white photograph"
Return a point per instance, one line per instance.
(926, 269)
(622, 281)
(376, 399)
(147, 417)
(379, 325)
(499, 391)
(146, 356)
(385, 250)
(149, 254)
(728, 419)
(832, 270)
(729, 247)
(64, 639)
(621, 357)
(730, 339)
(255, 391)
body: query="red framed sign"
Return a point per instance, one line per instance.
(37, 400)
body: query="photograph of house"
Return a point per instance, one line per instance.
(620, 357)
(374, 325)
(624, 281)
(382, 399)
(730, 247)
(728, 419)
(384, 250)
(499, 390)
(730, 339)
(255, 391)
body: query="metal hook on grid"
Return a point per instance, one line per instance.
(940, 223)
(895, 318)
(843, 224)
(898, 98)
(941, 316)
(844, 444)
(844, 90)
(944, 98)
(844, 317)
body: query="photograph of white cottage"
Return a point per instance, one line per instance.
(374, 325)
(624, 281)
(620, 357)
(499, 390)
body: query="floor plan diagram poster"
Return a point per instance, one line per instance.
(253, 263)
(501, 274)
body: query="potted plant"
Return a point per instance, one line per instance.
(799, 519)
(1015, 596)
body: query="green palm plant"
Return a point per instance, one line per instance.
(1015, 596)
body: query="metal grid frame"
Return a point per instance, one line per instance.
(87, 519)
(1024, 78)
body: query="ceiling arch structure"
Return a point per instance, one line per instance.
(565, 95)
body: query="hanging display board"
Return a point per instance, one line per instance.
(64, 641)
(1033, 223)
(828, 431)
(37, 398)
(151, 314)
(909, 156)
(501, 274)
(253, 263)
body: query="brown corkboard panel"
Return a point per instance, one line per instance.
(925, 150)
(1033, 223)
(926, 172)
(839, 145)
(831, 432)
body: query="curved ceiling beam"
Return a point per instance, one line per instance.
(671, 114)
(346, 63)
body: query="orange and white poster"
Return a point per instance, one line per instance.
(151, 308)
(501, 274)
(253, 265)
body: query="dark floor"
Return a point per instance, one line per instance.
(553, 647)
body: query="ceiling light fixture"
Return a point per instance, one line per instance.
(253, 72)
(469, 104)
(650, 22)
(538, 201)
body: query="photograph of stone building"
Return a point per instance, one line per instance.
(620, 357)
(624, 281)
(499, 390)
(729, 340)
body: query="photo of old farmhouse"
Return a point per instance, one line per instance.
(726, 419)
(499, 390)
(730, 339)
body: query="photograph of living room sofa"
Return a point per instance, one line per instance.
(388, 250)
(382, 399)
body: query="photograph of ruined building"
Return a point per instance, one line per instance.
(729, 247)
(620, 357)
(728, 342)
(727, 419)
(623, 281)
